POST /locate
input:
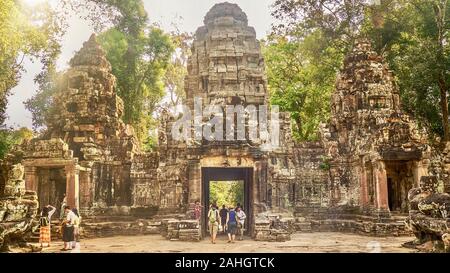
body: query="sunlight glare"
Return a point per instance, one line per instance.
(34, 2)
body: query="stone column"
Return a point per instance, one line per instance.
(364, 194)
(72, 185)
(195, 181)
(334, 179)
(86, 189)
(420, 168)
(31, 178)
(381, 186)
(258, 191)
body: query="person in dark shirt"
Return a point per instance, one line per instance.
(223, 218)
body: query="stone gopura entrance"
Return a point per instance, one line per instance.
(227, 174)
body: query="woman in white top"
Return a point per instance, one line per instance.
(68, 228)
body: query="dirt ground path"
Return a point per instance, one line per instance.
(318, 242)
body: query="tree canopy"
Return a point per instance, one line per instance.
(10, 137)
(139, 65)
(414, 37)
(25, 32)
(301, 76)
(228, 193)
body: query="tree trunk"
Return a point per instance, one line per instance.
(299, 125)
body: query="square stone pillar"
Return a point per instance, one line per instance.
(364, 194)
(72, 185)
(381, 186)
(195, 181)
(258, 190)
(86, 189)
(420, 169)
(31, 178)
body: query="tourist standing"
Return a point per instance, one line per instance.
(76, 228)
(223, 218)
(240, 222)
(45, 225)
(231, 225)
(68, 228)
(213, 216)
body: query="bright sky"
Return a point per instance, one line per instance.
(188, 15)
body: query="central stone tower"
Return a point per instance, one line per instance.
(226, 68)
(226, 64)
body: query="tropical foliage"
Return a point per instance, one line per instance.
(10, 137)
(227, 193)
(25, 32)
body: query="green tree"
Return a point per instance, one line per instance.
(176, 70)
(41, 104)
(414, 37)
(301, 76)
(25, 32)
(139, 74)
(304, 54)
(227, 193)
(139, 54)
(337, 20)
(11, 137)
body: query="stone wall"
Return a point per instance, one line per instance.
(273, 227)
(18, 208)
(312, 187)
(226, 68)
(146, 189)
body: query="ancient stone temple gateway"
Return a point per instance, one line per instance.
(356, 178)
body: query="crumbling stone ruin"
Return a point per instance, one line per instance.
(429, 216)
(356, 178)
(274, 227)
(87, 150)
(18, 207)
(373, 152)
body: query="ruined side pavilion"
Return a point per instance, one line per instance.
(368, 157)
(376, 152)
